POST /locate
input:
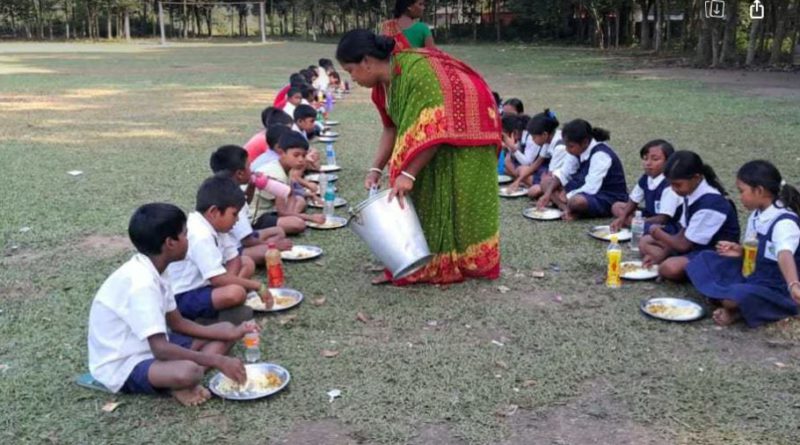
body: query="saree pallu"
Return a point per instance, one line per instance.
(392, 29)
(435, 101)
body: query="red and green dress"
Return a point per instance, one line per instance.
(436, 101)
(412, 37)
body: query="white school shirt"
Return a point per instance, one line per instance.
(289, 109)
(705, 223)
(562, 164)
(208, 252)
(668, 203)
(532, 151)
(322, 81)
(242, 229)
(598, 169)
(297, 129)
(785, 236)
(129, 307)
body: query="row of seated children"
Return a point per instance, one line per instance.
(692, 228)
(145, 334)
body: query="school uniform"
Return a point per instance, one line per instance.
(530, 152)
(763, 296)
(600, 179)
(707, 218)
(562, 164)
(208, 253)
(129, 307)
(289, 108)
(243, 229)
(654, 196)
(302, 132)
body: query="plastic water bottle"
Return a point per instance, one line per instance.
(749, 254)
(319, 116)
(637, 230)
(330, 197)
(275, 276)
(330, 154)
(252, 351)
(323, 183)
(614, 256)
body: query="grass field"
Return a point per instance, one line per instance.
(579, 361)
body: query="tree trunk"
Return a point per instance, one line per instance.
(644, 30)
(109, 27)
(657, 14)
(728, 53)
(780, 34)
(497, 19)
(127, 25)
(752, 42)
(704, 42)
(715, 45)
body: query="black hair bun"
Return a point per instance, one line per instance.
(384, 45)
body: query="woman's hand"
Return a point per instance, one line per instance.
(402, 185)
(373, 179)
(729, 249)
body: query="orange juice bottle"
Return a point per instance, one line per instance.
(614, 256)
(749, 253)
(275, 277)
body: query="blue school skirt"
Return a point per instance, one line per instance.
(761, 297)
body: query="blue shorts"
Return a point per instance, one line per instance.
(138, 381)
(196, 303)
(599, 205)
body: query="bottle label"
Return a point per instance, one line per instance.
(614, 259)
(275, 275)
(251, 341)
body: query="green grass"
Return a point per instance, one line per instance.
(141, 127)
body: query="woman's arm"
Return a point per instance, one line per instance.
(403, 184)
(382, 156)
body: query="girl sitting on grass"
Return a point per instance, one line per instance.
(706, 216)
(652, 192)
(772, 291)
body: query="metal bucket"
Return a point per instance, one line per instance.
(393, 234)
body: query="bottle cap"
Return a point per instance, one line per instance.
(638, 213)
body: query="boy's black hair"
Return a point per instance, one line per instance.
(280, 117)
(228, 159)
(294, 90)
(325, 63)
(293, 139)
(274, 134)
(219, 192)
(308, 92)
(151, 225)
(297, 79)
(304, 111)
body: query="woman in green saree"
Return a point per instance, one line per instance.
(406, 28)
(440, 141)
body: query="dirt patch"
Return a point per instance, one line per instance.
(747, 83)
(16, 290)
(437, 434)
(317, 432)
(96, 246)
(739, 344)
(595, 418)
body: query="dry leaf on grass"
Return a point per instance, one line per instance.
(781, 364)
(497, 343)
(327, 353)
(318, 301)
(507, 410)
(501, 364)
(503, 289)
(362, 317)
(109, 407)
(529, 383)
(537, 274)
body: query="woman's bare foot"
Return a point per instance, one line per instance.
(191, 397)
(725, 317)
(380, 280)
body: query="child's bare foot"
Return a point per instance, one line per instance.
(725, 317)
(191, 397)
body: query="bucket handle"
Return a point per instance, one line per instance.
(354, 216)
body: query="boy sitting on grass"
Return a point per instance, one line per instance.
(213, 277)
(138, 341)
(305, 117)
(292, 148)
(230, 161)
